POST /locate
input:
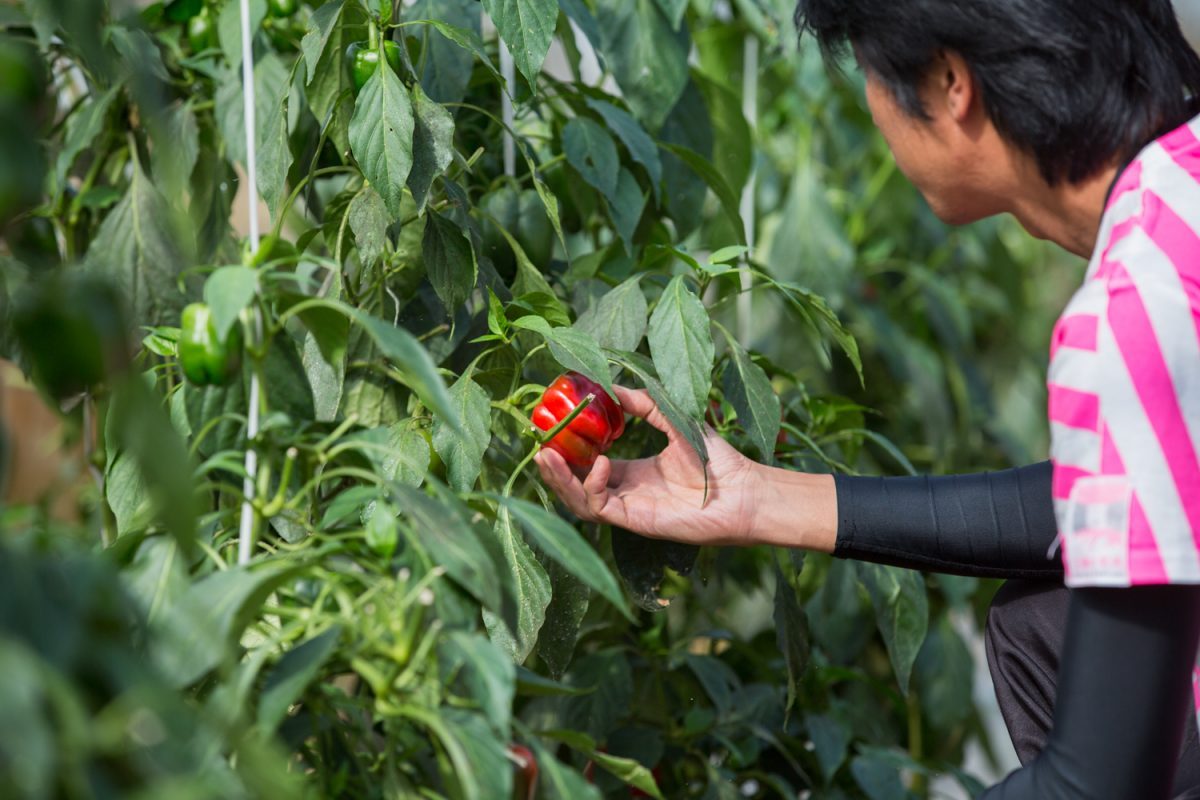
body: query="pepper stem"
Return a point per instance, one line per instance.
(545, 437)
(567, 420)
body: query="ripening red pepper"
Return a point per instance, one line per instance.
(525, 772)
(589, 434)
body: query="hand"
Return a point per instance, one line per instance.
(662, 497)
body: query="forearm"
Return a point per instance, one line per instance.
(998, 524)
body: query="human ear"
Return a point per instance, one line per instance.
(956, 84)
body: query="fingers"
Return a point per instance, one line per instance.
(588, 499)
(639, 403)
(558, 476)
(595, 486)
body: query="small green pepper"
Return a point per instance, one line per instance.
(361, 60)
(282, 8)
(206, 358)
(201, 32)
(270, 248)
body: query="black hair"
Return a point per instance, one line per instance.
(1079, 84)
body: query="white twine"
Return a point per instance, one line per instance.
(747, 206)
(246, 527)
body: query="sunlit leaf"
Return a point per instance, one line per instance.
(562, 543)
(681, 344)
(527, 27)
(381, 136)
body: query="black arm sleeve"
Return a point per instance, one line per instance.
(1124, 691)
(991, 524)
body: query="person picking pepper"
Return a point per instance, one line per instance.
(1079, 118)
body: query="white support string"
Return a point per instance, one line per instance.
(509, 74)
(246, 527)
(747, 206)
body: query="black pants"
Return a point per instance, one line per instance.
(1024, 639)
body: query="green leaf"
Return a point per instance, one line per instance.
(137, 248)
(901, 613)
(229, 27)
(749, 390)
(648, 58)
(139, 432)
(687, 425)
(633, 136)
(449, 260)
(730, 202)
(531, 684)
(127, 496)
(685, 192)
(292, 675)
(324, 356)
(477, 762)
(550, 202)
(83, 129)
(673, 9)
(558, 781)
(284, 374)
(727, 254)
(591, 151)
(176, 136)
(463, 452)
(879, 779)
(830, 739)
(809, 305)
(448, 52)
(381, 136)
(157, 575)
(403, 349)
(399, 453)
(628, 770)
(198, 631)
(270, 73)
(733, 136)
(490, 677)
(597, 713)
(791, 632)
(642, 564)
(819, 253)
(943, 673)
(681, 344)
(532, 589)
(718, 679)
(529, 279)
(443, 528)
(563, 544)
(564, 617)
(330, 89)
(369, 221)
(138, 50)
(227, 291)
(321, 26)
(433, 144)
(573, 349)
(527, 27)
(274, 151)
(618, 320)
(625, 206)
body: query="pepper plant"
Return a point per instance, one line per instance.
(418, 617)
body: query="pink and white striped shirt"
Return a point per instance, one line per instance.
(1124, 382)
